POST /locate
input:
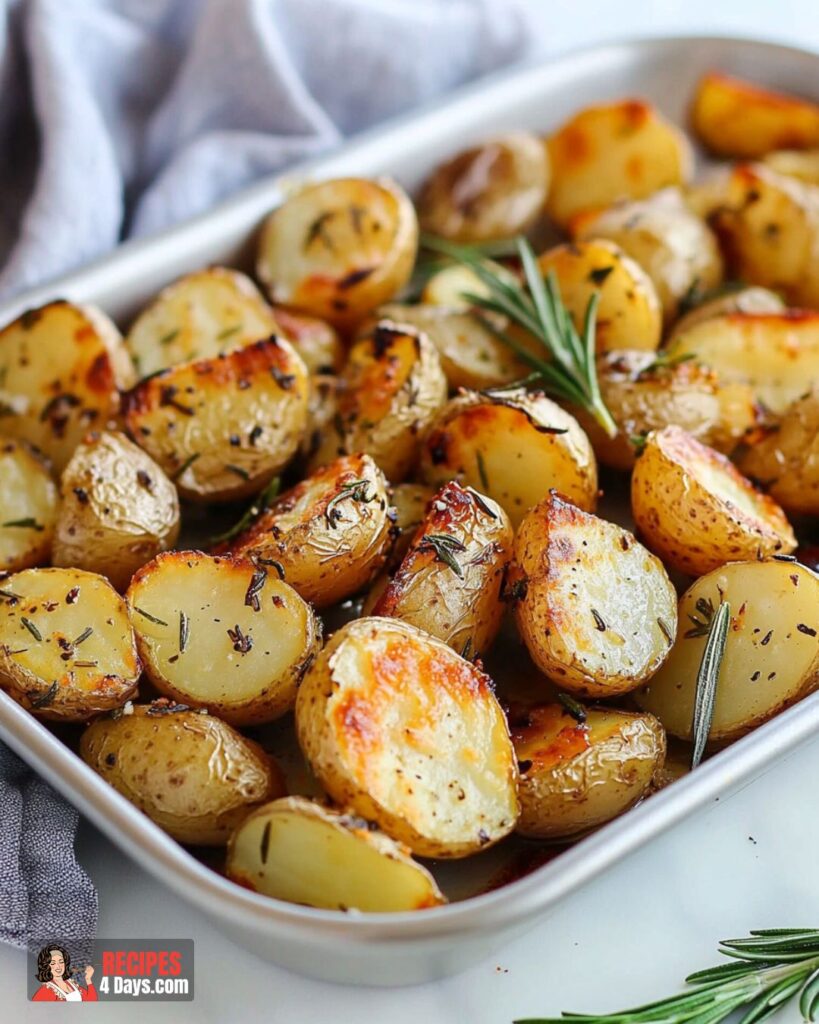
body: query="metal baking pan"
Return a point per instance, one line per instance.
(395, 949)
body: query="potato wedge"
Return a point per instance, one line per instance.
(28, 506)
(401, 729)
(615, 150)
(67, 649)
(316, 341)
(60, 368)
(222, 428)
(296, 850)
(596, 610)
(200, 316)
(189, 772)
(735, 300)
(795, 163)
(410, 504)
(577, 773)
(771, 654)
(449, 583)
(513, 445)
(222, 633)
(117, 509)
(736, 118)
(327, 536)
(338, 249)
(697, 511)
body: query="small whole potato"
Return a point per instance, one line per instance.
(28, 506)
(189, 772)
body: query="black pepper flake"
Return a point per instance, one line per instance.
(599, 274)
(144, 479)
(524, 766)
(111, 759)
(598, 620)
(81, 495)
(353, 278)
(807, 630)
(483, 836)
(255, 434)
(755, 676)
(767, 638)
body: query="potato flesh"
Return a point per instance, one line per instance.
(28, 507)
(741, 300)
(771, 654)
(316, 341)
(794, 163)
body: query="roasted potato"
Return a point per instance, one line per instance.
(222, 633)
(402, 730)
(697, 511)
(449, 286)
(117, 509)
(338, 249)
(613, 151)
(513, 445)
(67, 649)
(316, 341)
(494, 190)
(752, 299)
(410, 504)
(596, 611)
(771, 654)
(189, 772)
(327, 536)
(222, 428)
(296, 850)
(200, 316)
(795, 163)
(322, 417)
(389, 391)
(28, 506)
(60, 368)
(449, 582)
(578, 771)
(674, 247)
(736, 118)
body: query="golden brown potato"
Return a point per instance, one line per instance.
(616, 150)
(735, 300)
(449, 582)
(60, 368)
(795, 163)
(596, 611)
(67, 649)
(338, 249)
(402, 730)
(736, 118)
(579, 771)
(222, 428)
(297, 850)
(494, 190)
(322, 414)
(513, 445)
(316, 341)
(327, 536)
(189, 772)
(222, 633)
(771, 654)
(697, 511)
(117, 509)
(28, 506)
(410, 504)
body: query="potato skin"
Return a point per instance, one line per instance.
(465, 610)
(577, 776)
(28, 498)
(191, 773)
(117, 509)
(317, 342)
(739, 300)
(377, 716)
(410, 504)
(697, 511)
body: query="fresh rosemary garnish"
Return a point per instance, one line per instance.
(573, 708)
(355, 490)
(253, 511)
(770, 967)
(28, 523)
(149, 617)
(444, 547)
(83, 636)
(707, 679)
(31, 628)
(702, 627)
(536, 307)
(666, 360)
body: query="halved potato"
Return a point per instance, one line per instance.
(448, 286)
(697, 511)
(449, 583)
(60, 370)
(222, 633)
(117, 509)
(494, 190)
(615, 150)
(629, 314)
(67, 649)
(222, 428)
(322, 416)
(737, 118)
(771, 654)
(338, 249)
(795, 163)
(297, 850)
(401, 729)
(28, 506)
(189, 772)
(513, 445)
(317, 342)
(327, 536)
(596, 611)
(577, 773)
(200, 316)
(752, 299)
(410, 504)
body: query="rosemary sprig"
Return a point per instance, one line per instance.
(445, 547)
(253, 511)
(770, 967)
(536, 306)
(707, 679)
(355, 490)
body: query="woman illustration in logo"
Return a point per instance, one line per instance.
(53, 966)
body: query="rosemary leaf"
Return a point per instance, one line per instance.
(444, 547)
(707, 679)
(253, 511)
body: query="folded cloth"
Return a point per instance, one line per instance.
(120, 117)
